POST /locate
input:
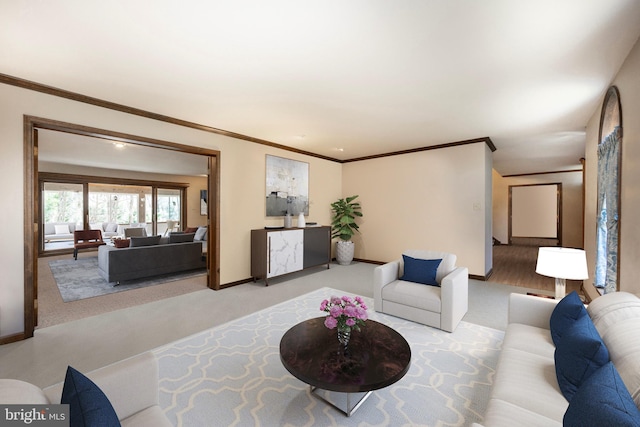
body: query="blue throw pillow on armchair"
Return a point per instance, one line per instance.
(420, 270)
(88, 405)
(603, 400)
(579, 353)
(567, 311)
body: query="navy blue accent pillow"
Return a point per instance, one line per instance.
(579, 353)
(603, 400)
(567, 311)
(420, 270)
(88, 405)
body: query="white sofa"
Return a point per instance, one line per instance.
(526, 391)
(440, 306)
(64, 230)
(59, 231)
(131, 386)
(108, 229)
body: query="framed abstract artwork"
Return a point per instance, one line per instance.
(287, 185)
(203, 202)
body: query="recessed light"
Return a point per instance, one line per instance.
(119, 144)
(339, 149)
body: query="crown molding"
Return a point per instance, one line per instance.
(50, 90)
(541, 173)
(485, 140)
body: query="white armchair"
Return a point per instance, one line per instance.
(440, 307)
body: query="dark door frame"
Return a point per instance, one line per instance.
(32, 201)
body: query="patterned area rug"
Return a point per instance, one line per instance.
(232, 375)
(79, 279)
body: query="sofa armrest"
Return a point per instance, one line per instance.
(530, 310)
(382, 276)
(103, 257)
(454, 292)
(131, 385)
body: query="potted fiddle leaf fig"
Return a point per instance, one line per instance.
(343, 226)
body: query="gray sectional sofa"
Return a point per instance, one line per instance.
(150, 256)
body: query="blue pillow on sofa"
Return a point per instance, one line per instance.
(567, 311)
(603, 400)
(88, 405)
(420, 270)
(579, 353)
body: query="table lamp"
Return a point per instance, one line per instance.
(562, 264)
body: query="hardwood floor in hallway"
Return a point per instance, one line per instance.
(516, 265)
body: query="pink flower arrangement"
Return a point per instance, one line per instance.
(344, 312)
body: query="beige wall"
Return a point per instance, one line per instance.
(571, 204)
(433, 199)
(534, 211)
(628, 83)
(242, 192)
(488, 211)
(500, 203)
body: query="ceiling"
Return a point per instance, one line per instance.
(342, 79)
(67, 148)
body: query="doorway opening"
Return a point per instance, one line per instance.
(33, 224)
(535, 214)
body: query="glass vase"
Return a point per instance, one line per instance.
(344, 334)
(287, 221)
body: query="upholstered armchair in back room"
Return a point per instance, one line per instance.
(85, 239)
(135, 232)
(424, 287)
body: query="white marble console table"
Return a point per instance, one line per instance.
(283, 251)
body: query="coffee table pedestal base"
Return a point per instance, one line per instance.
(351, 408)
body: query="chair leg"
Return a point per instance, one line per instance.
(75, 254)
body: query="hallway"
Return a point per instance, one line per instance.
(516, 265)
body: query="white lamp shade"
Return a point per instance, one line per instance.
(562, 263)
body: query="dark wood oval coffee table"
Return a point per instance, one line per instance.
(376, 357)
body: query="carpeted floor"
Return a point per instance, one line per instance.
(117, 326)
(52, 310)
(513, 265)
(232, 375)
(79, 279)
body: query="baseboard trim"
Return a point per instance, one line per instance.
(12, 338)
(471, 276)
(368, 261)
(236, 283)
(482, 278)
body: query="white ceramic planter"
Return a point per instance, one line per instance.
(344, 252)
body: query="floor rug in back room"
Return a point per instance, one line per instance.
(79, 279)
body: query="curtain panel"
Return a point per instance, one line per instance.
(608, 202)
